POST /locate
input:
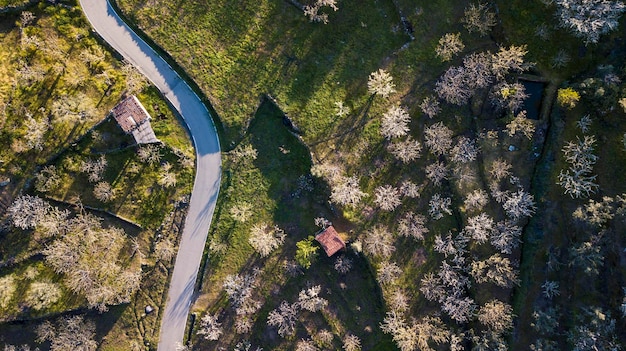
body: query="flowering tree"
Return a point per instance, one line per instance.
(439, 205)
(519, 204)
(452, 86)
(210, 328)
(387, 197)
(265, 238)
(27, 211)
(309, 299)
(430, 106)
(407, 150)
(380, 83)
(465, 150)
(284, 318)
(521, 124)
(378, 241)
(412, 225)
(395, 122)
(347, 191)
(479, 18)
(438, 138)
(313, 11)
(589, 19)
(497, 316)
(449, 45)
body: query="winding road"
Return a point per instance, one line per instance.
(114, 31)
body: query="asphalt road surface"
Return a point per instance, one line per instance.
(208, 165)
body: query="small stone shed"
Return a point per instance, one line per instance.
(133, 118)
(330, 241)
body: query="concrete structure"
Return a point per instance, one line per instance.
(133, 118)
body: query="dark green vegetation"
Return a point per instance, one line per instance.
(57, 86)
(238, 51)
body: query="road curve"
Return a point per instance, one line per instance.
(114, 31)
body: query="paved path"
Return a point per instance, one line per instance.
(206, 186)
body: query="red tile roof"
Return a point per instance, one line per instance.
(130, 113)
(330, 241)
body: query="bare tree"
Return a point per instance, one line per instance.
(444, 245)
(550, 289)
(165, 250)
(378, 241)
(167, 178)
(342, 109)
(398, 300)
(407, 150)
(581, 154)
(94, 168)
(412, 225)
(265, 238)
(306, 345)
(479, 18)
(35, 132)
(587, 256)
(460, 309)
(88, 255)
(449, 45)
(584, 123)
(150, 154)
(347, 192)
(432, 287)
(284, 318)
(135, 81)
(438, 138)
(395, 122)
(343, 264)
(210, 328)
(589, 19)
(387, 197)
(380, 83)
(578, 183)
